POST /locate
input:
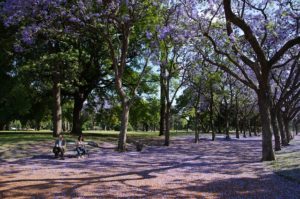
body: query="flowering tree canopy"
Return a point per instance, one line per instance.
(256, 42)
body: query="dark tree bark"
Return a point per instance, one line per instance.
(296, 127)
(146, 127)
(197, 107)
(219, 127)
(38, 125)
(2, 125)
(57, 109)
(275, 130)
(284, 141)
(288, 134)
(211, 104)
(167, 132)
(124, 125)
(197, 122)
(162, 122)
(249, 128)
(263, 103)
(243, 128)
(226, 120)
(197, 127)
(255, 129)
(64, 126)
(7, 126)
(79, 99)
(237, 133)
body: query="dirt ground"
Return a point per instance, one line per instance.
(219, 169)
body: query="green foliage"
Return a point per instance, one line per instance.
(15, 103)
(67, 110)
(145, 113)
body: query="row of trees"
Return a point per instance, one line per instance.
(237, 64)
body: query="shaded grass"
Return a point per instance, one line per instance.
(11, 137)
(287, 163)
(135, 133)
(14, 144)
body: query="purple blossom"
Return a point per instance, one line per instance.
(125, 18)
(148, 34)
(74, 20)
(18, 48)
(81, 5)
(27, 37)
(232, 38)
(28, 34)
(164, 32)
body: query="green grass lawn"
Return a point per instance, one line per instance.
(11, 137)
(22, 137)
(287, 163)
(14, 144)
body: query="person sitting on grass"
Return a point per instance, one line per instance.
(59, 147)
(80, 148)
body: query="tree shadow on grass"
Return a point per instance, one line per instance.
(43, 157)
(180, 155)
(128, 171)
(264, 187)
(290, 174)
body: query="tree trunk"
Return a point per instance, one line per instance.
(237, 134)
(124, 125)
(38, 125)
(7, 126)
(296, 127)
(196, 135)
(211, 114)
(255, 128)
(281, 129)
(187, 126)
(57, 110)
(64, 128)
(227, 130)
(263, 103)
(167, 120)
(287, 130)
(244, 129)
(162, 122)
(77, 120)
(226, 120)
(68, 126)
(2, 125)
(197, 127)
(249, 128)
(146, 127)
(275, 130)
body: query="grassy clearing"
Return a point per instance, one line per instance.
(23, 137)
(287, 162)
(16, 143)
(136, 133)
(16, 137)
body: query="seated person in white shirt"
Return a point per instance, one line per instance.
(80, 148)
(59, 147)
